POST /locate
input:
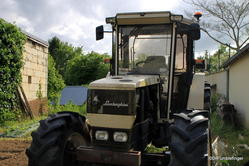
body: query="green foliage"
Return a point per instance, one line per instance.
(9, 115)
(219, 57)
(152, 149)
(39, 92)
(214, 101)
(87, 68)
(81, 109)
(62, 52)
(21, 128)
(55, 81)
(24, 127)
(215, 61)
(11, 47)
(229, 135)
(75, 67)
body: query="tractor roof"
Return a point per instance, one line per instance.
(162, 17)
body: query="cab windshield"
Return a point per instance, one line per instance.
(144, 49)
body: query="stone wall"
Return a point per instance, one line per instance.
(35, 71)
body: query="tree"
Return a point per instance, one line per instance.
(55, 81)
(62, 52)
(87, 68)
(225, 21)
(215, 61)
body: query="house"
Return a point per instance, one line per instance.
(237, 68)
(233, 83)
(35, 73)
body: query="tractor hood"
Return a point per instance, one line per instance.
(125, 82)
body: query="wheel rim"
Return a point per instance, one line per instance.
(73, 141)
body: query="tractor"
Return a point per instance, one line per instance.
(152, 96)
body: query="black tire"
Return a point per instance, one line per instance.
(56, 136)
(189, 139)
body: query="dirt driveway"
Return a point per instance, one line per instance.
(12, 152)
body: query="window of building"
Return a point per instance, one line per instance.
(29, 79)
(33, 44)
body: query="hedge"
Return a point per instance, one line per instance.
(11, 47)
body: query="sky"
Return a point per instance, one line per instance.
(74, 21)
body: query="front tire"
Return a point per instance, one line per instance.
(189, 139)
(55, 137)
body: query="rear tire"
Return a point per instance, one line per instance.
(189, 139)
(56, 136)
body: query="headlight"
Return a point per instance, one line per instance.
(120, 137)
(101, 135)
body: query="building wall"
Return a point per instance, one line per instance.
(35, 69)
(196, 99)
(220, 80)
(239, 88)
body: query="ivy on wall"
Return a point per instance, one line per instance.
(12, 42)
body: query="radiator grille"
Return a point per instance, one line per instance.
(111, 101)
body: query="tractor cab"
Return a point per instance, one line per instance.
(158, 44)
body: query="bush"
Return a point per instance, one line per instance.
(11, 47)
(85, 69)
(214, 101)
(81, 109)
(230, 136)
(55, 81)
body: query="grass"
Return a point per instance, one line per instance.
(24, 127)
(21, 128)
(229, 134)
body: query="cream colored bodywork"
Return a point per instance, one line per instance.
(196, 95)
(149, 18)
(111, 121)
(126, 82)
(140, 18)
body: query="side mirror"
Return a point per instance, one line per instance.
(200, 64)
(99, 32)
(195, 31)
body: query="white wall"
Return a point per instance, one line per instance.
(196, 95)
(239, 88)
(220, 79)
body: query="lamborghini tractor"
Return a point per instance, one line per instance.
(152, 96)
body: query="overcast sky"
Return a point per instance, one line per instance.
(74, 21)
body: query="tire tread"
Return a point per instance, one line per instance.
(189, 139)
